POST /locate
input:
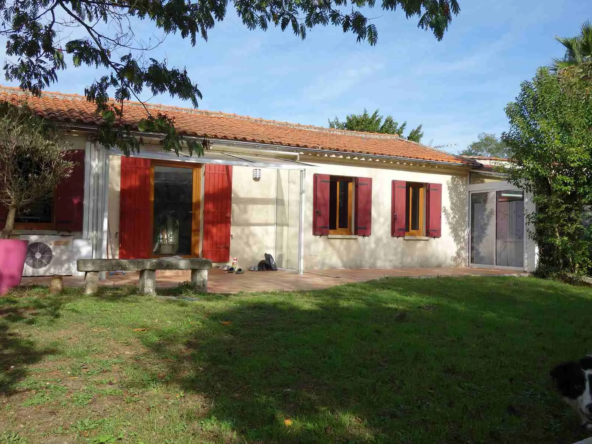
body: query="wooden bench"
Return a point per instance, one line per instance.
(147, 268)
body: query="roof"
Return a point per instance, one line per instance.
(74, 108)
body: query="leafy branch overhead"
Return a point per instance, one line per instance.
(43, 36)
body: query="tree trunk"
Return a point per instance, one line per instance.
(5, 234)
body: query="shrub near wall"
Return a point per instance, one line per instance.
(550, 140)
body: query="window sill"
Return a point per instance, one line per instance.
(416, 238)
(342, 236)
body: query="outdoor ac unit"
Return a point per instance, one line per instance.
(48, 255)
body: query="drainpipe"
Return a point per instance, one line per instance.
(301, 228)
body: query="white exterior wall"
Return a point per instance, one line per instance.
(265, 219)
(380, 250)
(253, 231)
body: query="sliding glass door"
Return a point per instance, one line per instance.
(497, 228)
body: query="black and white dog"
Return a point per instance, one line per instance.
(574, 382)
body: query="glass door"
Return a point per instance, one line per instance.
(483, 228)
(510, 229)
(497, 228)
(173, 216)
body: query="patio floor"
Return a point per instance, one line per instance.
(223, 282)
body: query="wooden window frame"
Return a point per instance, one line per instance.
(41, 226)
(196, 207)
(422, 208)
(349, 231)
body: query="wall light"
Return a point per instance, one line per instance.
(257, 174)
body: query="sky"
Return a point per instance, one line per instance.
(457, 88)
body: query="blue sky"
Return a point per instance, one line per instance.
(457, 87)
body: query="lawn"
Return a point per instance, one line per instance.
(448, 360)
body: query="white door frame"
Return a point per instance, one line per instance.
(494, 187)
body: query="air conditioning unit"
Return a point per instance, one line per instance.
(48, 255)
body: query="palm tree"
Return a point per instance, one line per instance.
(578, 50)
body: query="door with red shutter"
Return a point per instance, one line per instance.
(69, 196)
(398, 208)
(363, 211)
(217, 208)
(434, 210)
(134, 217)
(320, 203)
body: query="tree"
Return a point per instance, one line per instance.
(578, 50)
(416, 134)
(32, 161)
(550, 143)
(42, 34)
(375, 123)
(488, 145)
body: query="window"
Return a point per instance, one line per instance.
(341, 191)
(342, 205)
(415, 209)
(62, 211)
(39, 213)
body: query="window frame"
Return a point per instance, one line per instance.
(349, 230)
(196, 245)
(420, 232)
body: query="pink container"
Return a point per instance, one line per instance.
(12, 261)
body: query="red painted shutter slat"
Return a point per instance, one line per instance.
(135, 239)
(217, 212)
(363, 204)
(434, 210)
(320, 216)
(70, 195)
(398, 208)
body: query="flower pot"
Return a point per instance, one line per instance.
(12, 261)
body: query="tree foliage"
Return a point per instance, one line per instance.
(550, 142)
(31, 160)
(578, 49)
(100, 33)
(488, 145)
(375, 123)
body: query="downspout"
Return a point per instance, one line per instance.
(301, 227)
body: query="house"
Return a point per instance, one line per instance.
(313, 197)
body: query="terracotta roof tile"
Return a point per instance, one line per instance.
(73, 108)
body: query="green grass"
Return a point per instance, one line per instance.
(448, 360)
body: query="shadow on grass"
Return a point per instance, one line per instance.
(18, 352)
(397, 360)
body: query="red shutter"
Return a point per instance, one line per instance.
(69, 194)
(320, 204)
(217, 212)
(434, 210)
(135, 239)
(363, 212)
(398, 208)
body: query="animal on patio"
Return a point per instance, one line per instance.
(574, 382)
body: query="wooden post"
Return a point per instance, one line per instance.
(56, 285)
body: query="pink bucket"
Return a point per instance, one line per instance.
(12, 261)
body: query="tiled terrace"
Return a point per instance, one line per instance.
(223, 282)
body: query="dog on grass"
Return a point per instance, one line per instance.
(574, 382)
